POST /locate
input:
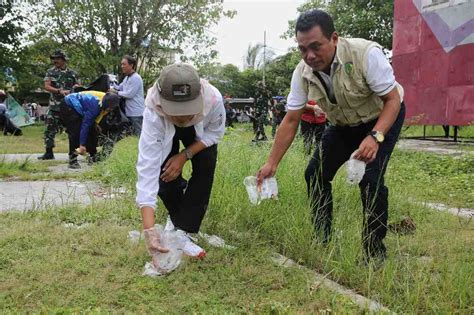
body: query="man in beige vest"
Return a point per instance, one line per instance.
(353, 83)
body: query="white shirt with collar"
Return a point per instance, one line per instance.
(156, 139)
(379, 77)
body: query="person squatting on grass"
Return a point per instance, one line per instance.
(79, 113)
(179, 107)
(353, 83)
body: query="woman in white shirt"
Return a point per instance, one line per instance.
(179, 107)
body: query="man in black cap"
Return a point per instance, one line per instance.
(59, 82)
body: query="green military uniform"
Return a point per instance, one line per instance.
(60, 79)
(261, 110)
(279, 112)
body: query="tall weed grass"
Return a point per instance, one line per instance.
(430, 271)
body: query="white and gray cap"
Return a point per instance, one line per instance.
(180, 90)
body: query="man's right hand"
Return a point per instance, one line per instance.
(266, 171)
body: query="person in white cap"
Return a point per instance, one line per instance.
(179, 107)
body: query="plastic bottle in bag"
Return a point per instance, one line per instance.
(355, 170)
(268, 189)
(167, 262)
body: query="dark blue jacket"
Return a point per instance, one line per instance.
(88, 104)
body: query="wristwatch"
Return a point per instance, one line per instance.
(189, 154)
(378, 136)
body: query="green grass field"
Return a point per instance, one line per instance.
(45, 267)
(31, 141)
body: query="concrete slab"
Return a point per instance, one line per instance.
(35, 195)
(438, 147)
(33, 157)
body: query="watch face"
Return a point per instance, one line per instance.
(379, 136)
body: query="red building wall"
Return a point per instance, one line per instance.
(433, 58)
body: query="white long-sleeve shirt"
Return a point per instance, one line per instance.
(157, 135)
(131, 89)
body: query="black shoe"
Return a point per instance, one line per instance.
(93, 159)
(74, 165)
(47, 156)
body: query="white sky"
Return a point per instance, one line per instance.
(247, 27)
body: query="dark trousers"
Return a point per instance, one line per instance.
(312, 134)
(337, 144)
(187, 202)
(72, 121)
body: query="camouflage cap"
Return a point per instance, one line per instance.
(58, 53)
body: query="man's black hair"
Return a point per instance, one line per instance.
(131, 61)
(307, 20)
(3, 97)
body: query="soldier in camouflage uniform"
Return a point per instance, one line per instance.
(59, 82)
(261, 110)
(279, 112)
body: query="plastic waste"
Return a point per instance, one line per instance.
(216, 241)
(268, 189)
(134, 236)
(355, 170)
(167, 262)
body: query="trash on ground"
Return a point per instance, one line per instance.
(405, 226)
(134, 236)
(76, 226)
(355, 170)
(268, 189)
(216, 241)
(163, 263)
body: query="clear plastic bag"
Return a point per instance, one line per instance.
(355, 170)
(268, 190)
(167, 262)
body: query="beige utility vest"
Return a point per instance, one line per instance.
(356, 102)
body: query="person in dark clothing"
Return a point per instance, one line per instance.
(353, 83)
(79, 112)
(313, 123)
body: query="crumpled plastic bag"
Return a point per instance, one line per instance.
(355, 170)
(268, 189)
(216, 241)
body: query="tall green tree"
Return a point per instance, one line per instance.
(369, 19)
(100, 32)
(10, 34)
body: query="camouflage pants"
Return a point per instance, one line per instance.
(53, 124)
(260, 132)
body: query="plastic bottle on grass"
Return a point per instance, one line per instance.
(355, 170)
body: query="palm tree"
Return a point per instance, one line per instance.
(254, 57)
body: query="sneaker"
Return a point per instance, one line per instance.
(190, 248)
(169, 224)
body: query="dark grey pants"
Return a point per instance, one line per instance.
(187, 201)
(337, 144)
(136, 123)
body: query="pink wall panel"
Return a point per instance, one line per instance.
(438, 81)
(461, 65)
(460, 103)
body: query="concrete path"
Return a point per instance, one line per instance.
(24, 195)
(33, 157)
(438, 147)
